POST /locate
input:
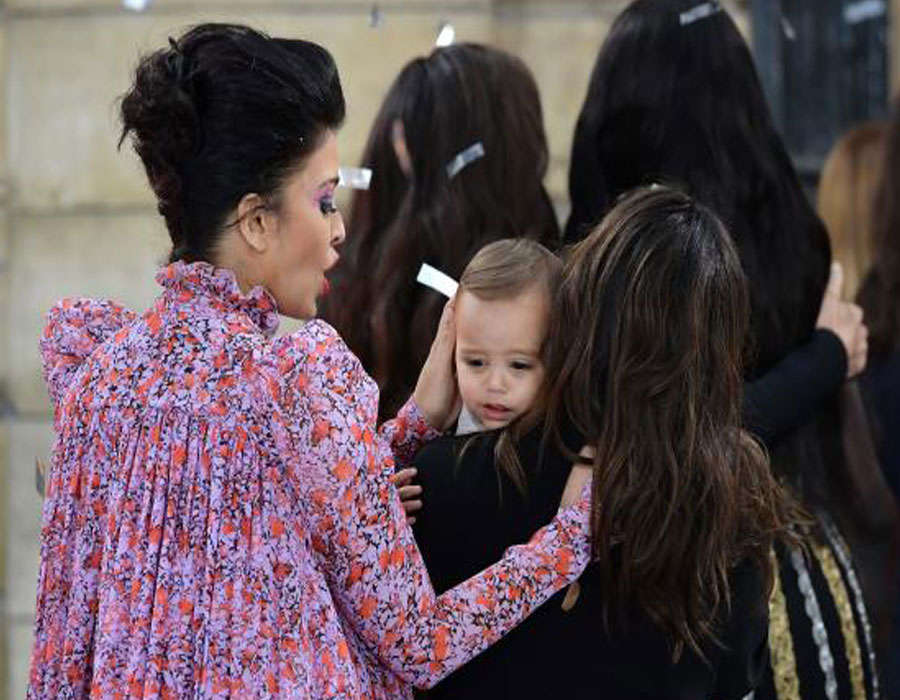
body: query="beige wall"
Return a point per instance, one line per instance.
(76, 217)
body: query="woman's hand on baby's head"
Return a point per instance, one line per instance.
(437, 392)
(410, 493)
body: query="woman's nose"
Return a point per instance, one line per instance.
(338, 234)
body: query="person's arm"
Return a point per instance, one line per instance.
(435, 403)
(789, 394)
(368, 553)
(407, 433)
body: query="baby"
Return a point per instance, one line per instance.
(502, 313)
(502, 310)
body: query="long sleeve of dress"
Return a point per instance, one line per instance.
(75, 328)
(370, 558)
(787, 396)
(406, 434)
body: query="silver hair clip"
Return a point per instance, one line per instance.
(698, 12)
(462, 159)
(856, 12)
(788, 29)
(354, 178)
(446, 35)
(437, 280)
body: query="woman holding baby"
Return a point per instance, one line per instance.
(219, 516)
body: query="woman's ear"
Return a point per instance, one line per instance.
(255, 222)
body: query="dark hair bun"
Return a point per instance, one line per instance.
(224, 111)
(160, 114)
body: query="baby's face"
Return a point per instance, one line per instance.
(498, 348)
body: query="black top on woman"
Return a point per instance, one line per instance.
(473, 513)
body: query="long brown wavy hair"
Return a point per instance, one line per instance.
(879, 294)
(446, 102)
(646, 355)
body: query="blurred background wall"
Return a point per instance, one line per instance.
(76, 217)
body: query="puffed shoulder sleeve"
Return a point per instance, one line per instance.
(74, 329)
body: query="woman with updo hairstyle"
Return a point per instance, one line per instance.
(219, 519)
(674, 97)
(417, 211)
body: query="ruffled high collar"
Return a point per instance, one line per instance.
(200, 278)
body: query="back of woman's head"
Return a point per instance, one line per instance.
(222, 112)
(880, 289)
(846, 196)
(417, 211)
(674, 97)
(646, 347)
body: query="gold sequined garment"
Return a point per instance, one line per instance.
(842, 652)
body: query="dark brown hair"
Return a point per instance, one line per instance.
(646, 347)
(502, 270)
(446, 102)
(690, 110)
(879, 294)
(221, 112)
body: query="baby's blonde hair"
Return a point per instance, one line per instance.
(506, 268)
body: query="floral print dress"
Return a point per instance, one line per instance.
(219, 520)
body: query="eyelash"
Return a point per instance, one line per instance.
(326, 206)
(519, 366)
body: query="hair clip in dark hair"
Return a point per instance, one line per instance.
(175, 62)
(698, 12)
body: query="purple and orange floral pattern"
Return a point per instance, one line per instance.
(219, 520)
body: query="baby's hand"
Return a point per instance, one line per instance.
(410, 493)
(578, 477)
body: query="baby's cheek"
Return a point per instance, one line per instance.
(537, 381)
(468, 385)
